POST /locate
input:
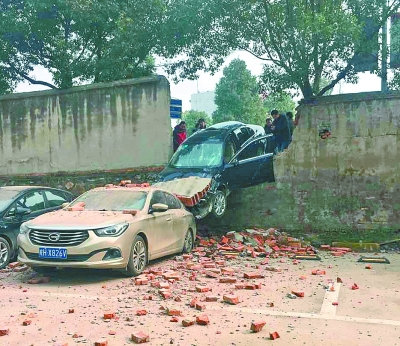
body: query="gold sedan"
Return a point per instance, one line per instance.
(110, 227)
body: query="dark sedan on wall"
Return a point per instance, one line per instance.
(22, 203)
(232, 154)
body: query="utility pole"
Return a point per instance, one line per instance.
(384, 72)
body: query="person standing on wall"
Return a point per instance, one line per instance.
(179, 135)
(281, 130)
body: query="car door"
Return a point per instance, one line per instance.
(250, 166)
(160, 232)
(180, 224)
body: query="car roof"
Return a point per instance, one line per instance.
(218, 132)
(20, 188)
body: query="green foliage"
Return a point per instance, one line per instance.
(78, 40)
(191, 118)
(282, 101)
(237, 97)
(301, 42)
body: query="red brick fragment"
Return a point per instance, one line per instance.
(187, 323)
(200, 307)
(141, 312)
(193, 302)
(112, 332)
(355, 287)
(174, 319)
(368, 266)
(253, 275)
(339, 280)
(227, 271)
(141, 281)
(211, 298)
(227, 280)
(325, 247)
(26, 322)
(231, 299)
(318, 272)
(165, 294)
(239, 286)
(101, 343)
(211, 274)
(335, 303)
(174, 312)
(71, 311)
(274, 335)
(109, 315)
(202, 289)
(4, 332)
(140, 338)
(257, 326)
(15, 265)
(298, 294)
(202, 320)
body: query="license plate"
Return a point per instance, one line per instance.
(52, 252)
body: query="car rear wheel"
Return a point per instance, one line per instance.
(219, 204)
(5, 253)
(188, 244)
(138, 259)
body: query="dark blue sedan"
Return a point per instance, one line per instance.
(22, 203)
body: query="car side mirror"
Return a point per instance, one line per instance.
(158, 208)
(20, 211)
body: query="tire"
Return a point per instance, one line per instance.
(5, 253)
(219, 204)
(188, 243)
(138, 257)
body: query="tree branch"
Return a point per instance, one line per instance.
(31, 80)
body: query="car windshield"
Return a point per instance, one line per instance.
(6, 197)
(198, 155)
(115, 200)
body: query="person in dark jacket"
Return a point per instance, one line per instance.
(289, 116)
(281, 130)
(267, 127)
(179, 135)
(200, 125)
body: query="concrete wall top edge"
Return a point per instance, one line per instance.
(353, 97)
(152, 79)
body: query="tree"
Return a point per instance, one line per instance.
(301, 41)
(283, 102)
(191, 117)
(237, 97)
(79, 40)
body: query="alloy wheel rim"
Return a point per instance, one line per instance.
(188, 241)
(139, 256)
(3, 253)
(219, 204)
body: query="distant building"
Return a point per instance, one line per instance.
(203, 102)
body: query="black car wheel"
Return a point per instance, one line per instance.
(188, 244)
(219, 204)
(138, 259)
(5, 253)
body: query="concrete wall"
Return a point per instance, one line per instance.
(117, 125)
(345, 187)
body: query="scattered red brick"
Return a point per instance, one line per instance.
(239, 286)
(141, 312)
(187, 323)
(174, 312)
(200, 307)
(231, 299)
(174, 319)
(4, 332)
(101, 343)
(71, 311)
(355, 287)
(112, 332)
(141, 281)
(318, 272)
(298, 294)
(202, 289)
(257, 326)
(165, 293)
(211, 298)
(212, 275)
(109, 315)
(227, 280)
(26, 322)
(140, 338)
(368, 266)
(274, 335)
(253, 275)
(13, 265)
(335, 303)
(339, 280)
(202, 320)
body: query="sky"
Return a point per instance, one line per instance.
(207, 82)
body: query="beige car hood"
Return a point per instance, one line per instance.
(63, 219)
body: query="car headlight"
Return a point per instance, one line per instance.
(112, 231)
(24, 229)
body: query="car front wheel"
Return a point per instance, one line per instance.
(138, 259)
(219, 204)
(188, 244)
(5, 253)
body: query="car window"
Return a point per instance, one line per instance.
(230, 150)
(32, 200)
(242, 134)
(55, 198)
(172, 202)
(158, 197)
(254, 149)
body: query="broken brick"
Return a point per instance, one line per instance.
(231, 299)
(174, 312)
(339, 280)
(109, 315)
(274, 335)
(368, 266)
(211, 274)
(257, 326)
(335, 303)
(193, 303)
(355, 287)
(318, 272)
(187, 323)
(253, 275)
(101, 343)
(71, 311)
(202, 289)
(26, 322)
(211, 298)
(140, 338)
(298, 294)
(200, 307)
(141, 312)
(227, 280)
(141, 281)
(165, 294)
(4, 332)
(202, 320)
(174, 319)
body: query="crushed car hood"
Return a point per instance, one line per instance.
(63, 219)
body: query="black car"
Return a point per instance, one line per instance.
(22, 203)
(232, 154)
